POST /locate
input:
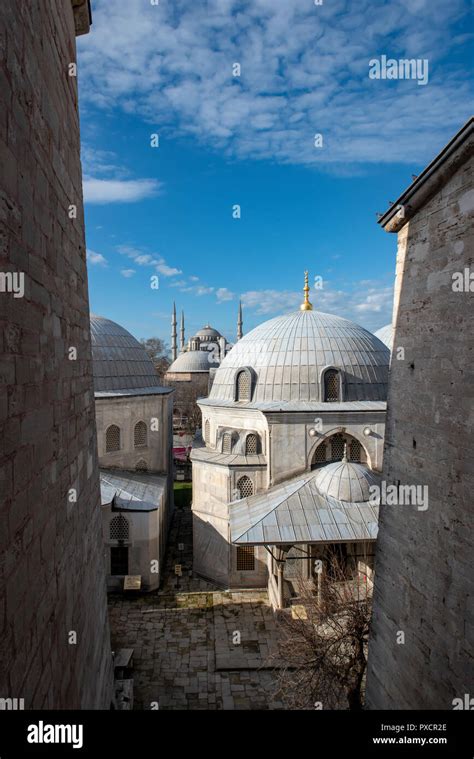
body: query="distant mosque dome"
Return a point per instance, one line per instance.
(346, 481)
(191, 361)
(288, 358)
(207, 332)
(119, 361)
(385, 334)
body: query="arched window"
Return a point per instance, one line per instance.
(243, 386)
(251, 445)
(119, 528)
(140, 435)
(337, 447)
(245, 558)
(320, 454)
(332, 390)
(355, 450)
(141, 466)
(112, 439)
(245, 487)
(226, 442)
(207, 432)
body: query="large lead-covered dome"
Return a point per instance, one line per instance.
(287, 357)
(119, 361)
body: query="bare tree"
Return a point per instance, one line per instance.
(157, 349)
(322, 649)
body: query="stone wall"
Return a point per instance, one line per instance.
(52, 578)
(424, 581)
(125, 412)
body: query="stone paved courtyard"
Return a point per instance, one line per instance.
(185, 638)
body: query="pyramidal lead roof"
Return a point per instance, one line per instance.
(119, 362)
(288, 354)
(297, 512)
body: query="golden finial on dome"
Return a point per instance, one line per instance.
(306, 305)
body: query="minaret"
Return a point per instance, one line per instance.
(174, 335)
(240, 323)
(181, 335)
(306, 305)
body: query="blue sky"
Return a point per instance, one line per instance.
(249, 140)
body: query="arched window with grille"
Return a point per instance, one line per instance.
(337, 447)
(245, 487)
(243, 386)
(252, 446)
(112, 439)
(140, 435)
(207, 431)
(141, 466)
(119, 528)
(332, 385)
(226, 442)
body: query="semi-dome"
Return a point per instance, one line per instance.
(191, 361)
(346, 481)
(286, 358)
(119, 361)
(385, 334)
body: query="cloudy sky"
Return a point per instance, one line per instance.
(248, 140)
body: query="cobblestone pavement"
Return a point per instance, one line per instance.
(187, 653)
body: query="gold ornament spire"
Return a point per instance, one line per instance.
(306, 305)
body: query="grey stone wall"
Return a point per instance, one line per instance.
(424, 581)
(52, 575)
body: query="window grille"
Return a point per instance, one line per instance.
(119, 560)
(140, 435)
(337, 447)
(226, 443)
(331, 385)
(142, 466)
(119, 528)
(355, 450)
(320, 454)
(112, 439)
(245, 558)
(245, 487)
(243, 386)
(251, 445)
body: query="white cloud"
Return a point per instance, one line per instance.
(198, 290)
(141, 258)
(102, 191)
(96, 259)
(172, 65)
(369, 304)
(127, 273)
(192, 278)
(223, 294)
(167, 271)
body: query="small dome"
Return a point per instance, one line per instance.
(119, 361)
(385, 334)
(288, 354)
(192, 361)
(346, 481)
(208, 331)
